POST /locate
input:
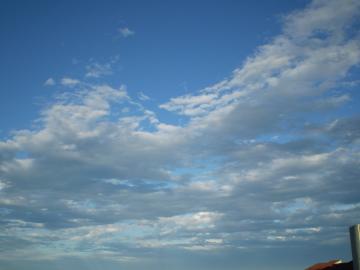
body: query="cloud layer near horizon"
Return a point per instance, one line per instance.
(266, 159)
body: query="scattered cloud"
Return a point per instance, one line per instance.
(143, 97)
(49, 82)
(66, 81)
(96, 70)
(126, 32)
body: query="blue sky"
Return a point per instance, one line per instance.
(178, 135)
(178, 47)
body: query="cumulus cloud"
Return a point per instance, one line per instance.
(256, 165)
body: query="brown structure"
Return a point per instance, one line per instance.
(332, 265)
(337, 264)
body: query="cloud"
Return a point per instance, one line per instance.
(96, 70)
(143, 97)
(126, 32)
(66, 81)
(49, 82)
(266, 157)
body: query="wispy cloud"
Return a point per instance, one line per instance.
(126, 32)
(66, 81)
(143, 97)
(96, 70)
(49, 82)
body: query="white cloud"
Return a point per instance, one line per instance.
(126, 32)
(96, 70)
(191, 105)
(195, 221)
(49, 82)
(143, 97)
(66, 81)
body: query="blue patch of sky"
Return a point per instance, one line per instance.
(141, 185)
(278, 138)
(198, 169)
(22, 155)
(352, 85)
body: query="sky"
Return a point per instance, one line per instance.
(178, 134)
